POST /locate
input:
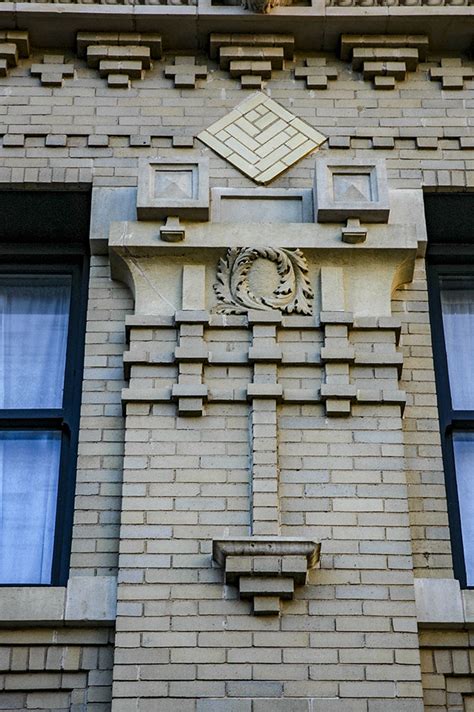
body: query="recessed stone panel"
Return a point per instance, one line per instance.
(179, 187)
(261, 205)
(355, 189)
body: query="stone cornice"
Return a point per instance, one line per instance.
(56, 25)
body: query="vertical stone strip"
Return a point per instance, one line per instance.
(336, 354)
(191, 351)
(264, 392)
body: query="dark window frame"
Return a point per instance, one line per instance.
(73, 261)
(443, 261)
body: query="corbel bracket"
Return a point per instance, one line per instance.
(266, 569)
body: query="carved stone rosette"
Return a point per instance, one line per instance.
(292, 295)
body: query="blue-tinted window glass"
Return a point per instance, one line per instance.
(29, 470)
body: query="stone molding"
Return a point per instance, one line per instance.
(49, 28)
(266, 569)
(396, 3)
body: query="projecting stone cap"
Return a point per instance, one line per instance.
(266, 569)
(266, 546)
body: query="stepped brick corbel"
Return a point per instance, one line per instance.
(251, 57)
(266, 569)
(13, 46)
(119, 56)
(384, 58)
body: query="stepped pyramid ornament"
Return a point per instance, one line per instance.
(266, 569)
(261, 138)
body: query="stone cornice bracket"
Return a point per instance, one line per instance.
(266, 569)
(119, 56)
(251, 57)
(384, 58)
(13, 46)
(451, 73)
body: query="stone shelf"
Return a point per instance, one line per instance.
(266, 569)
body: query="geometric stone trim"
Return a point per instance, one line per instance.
(52, 70)
(251, 57)
(261, 138)
(452, 73)
(13, 44)
(384, 58)
(185, 72)
(269, 359)
(354, 189)
(266, 569)
(316, 72)
(177, 187)
(119, 56)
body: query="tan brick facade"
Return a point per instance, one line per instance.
(213, 416)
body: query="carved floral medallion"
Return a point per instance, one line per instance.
(244, 282)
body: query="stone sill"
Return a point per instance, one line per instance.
(56, 24)
(440, 603)
(87, 600)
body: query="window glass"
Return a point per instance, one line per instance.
(34, 315)
(29, 470)
(463, 443)
(457, 303)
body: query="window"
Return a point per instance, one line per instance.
(451, 293)
(42, 322)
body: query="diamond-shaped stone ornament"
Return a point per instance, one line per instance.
(261, 138)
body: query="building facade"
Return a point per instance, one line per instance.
(236, 400)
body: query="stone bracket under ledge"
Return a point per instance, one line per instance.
(266, 569)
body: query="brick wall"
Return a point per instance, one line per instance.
(349, 639)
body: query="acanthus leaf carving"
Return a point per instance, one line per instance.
(293, 293)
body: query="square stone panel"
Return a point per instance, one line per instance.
(177, 184)
(354, 189)
(261, 138)
(178, 187)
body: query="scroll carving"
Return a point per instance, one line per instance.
(293, 294)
